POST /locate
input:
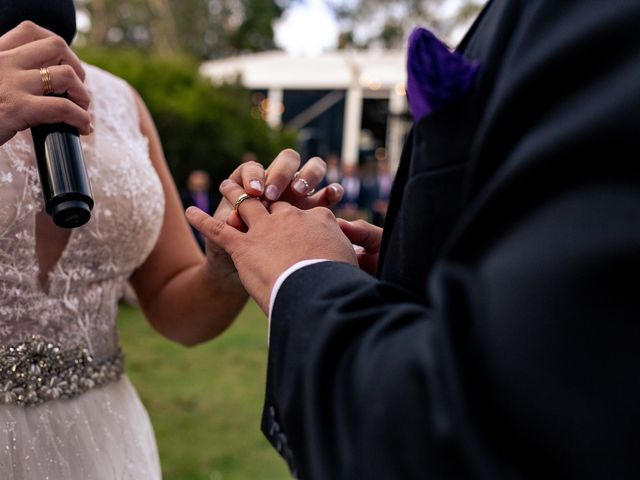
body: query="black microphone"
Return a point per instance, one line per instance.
(63, 175)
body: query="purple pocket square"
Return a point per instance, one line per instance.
(436, 75)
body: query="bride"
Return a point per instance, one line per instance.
(67, 411)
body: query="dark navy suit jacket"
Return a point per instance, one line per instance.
(501, 339)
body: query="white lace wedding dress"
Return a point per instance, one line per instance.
(66, 409)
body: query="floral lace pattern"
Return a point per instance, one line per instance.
(79, 307)
(59, 343)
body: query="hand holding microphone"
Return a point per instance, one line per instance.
(23, 51)
(41, 85)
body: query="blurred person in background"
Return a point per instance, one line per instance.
(198, 194)
(248, 157)
(354, 202)
(334, 171)
(333, 174)
(381, 191)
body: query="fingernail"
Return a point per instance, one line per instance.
(91, 128)
(225, 183)
(191, 210)
(300, 186)
(338, 190)
(272, 193)
(256, 185)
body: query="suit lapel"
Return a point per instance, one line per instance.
(429, 191)
(395, 200)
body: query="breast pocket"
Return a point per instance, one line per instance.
(429, 195)
(443, 138)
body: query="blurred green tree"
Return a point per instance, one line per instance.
(201, 126)
(387, 23)
(203, 28)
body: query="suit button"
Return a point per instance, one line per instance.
(282, 442)
(275, 428)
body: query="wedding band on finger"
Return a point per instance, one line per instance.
(241, 198)
(47, 86)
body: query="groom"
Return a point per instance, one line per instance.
(500, 337)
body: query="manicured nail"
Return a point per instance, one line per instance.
(256, 185)
(272, 193)
(300, 186)
(337, 190)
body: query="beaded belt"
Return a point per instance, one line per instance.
(34, 371)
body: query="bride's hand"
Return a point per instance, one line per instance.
(368, 240)
(23, 51)
(281, 181)
(285, 181)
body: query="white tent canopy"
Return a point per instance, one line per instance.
(361, 74)
(331, 71)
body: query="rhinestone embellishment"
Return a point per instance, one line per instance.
(34, 371)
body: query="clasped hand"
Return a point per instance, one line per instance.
(264, 237)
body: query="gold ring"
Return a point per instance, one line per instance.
(46, 81)
(241, 198)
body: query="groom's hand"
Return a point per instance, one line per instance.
(284, 180)
(276, 239)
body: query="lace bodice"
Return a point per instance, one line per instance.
(77, 309)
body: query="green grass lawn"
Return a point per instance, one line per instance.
(205, 403)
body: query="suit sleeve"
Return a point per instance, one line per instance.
(339, 360)
(524, 362)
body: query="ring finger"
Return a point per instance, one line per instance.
(249, 209)
(63, 81)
